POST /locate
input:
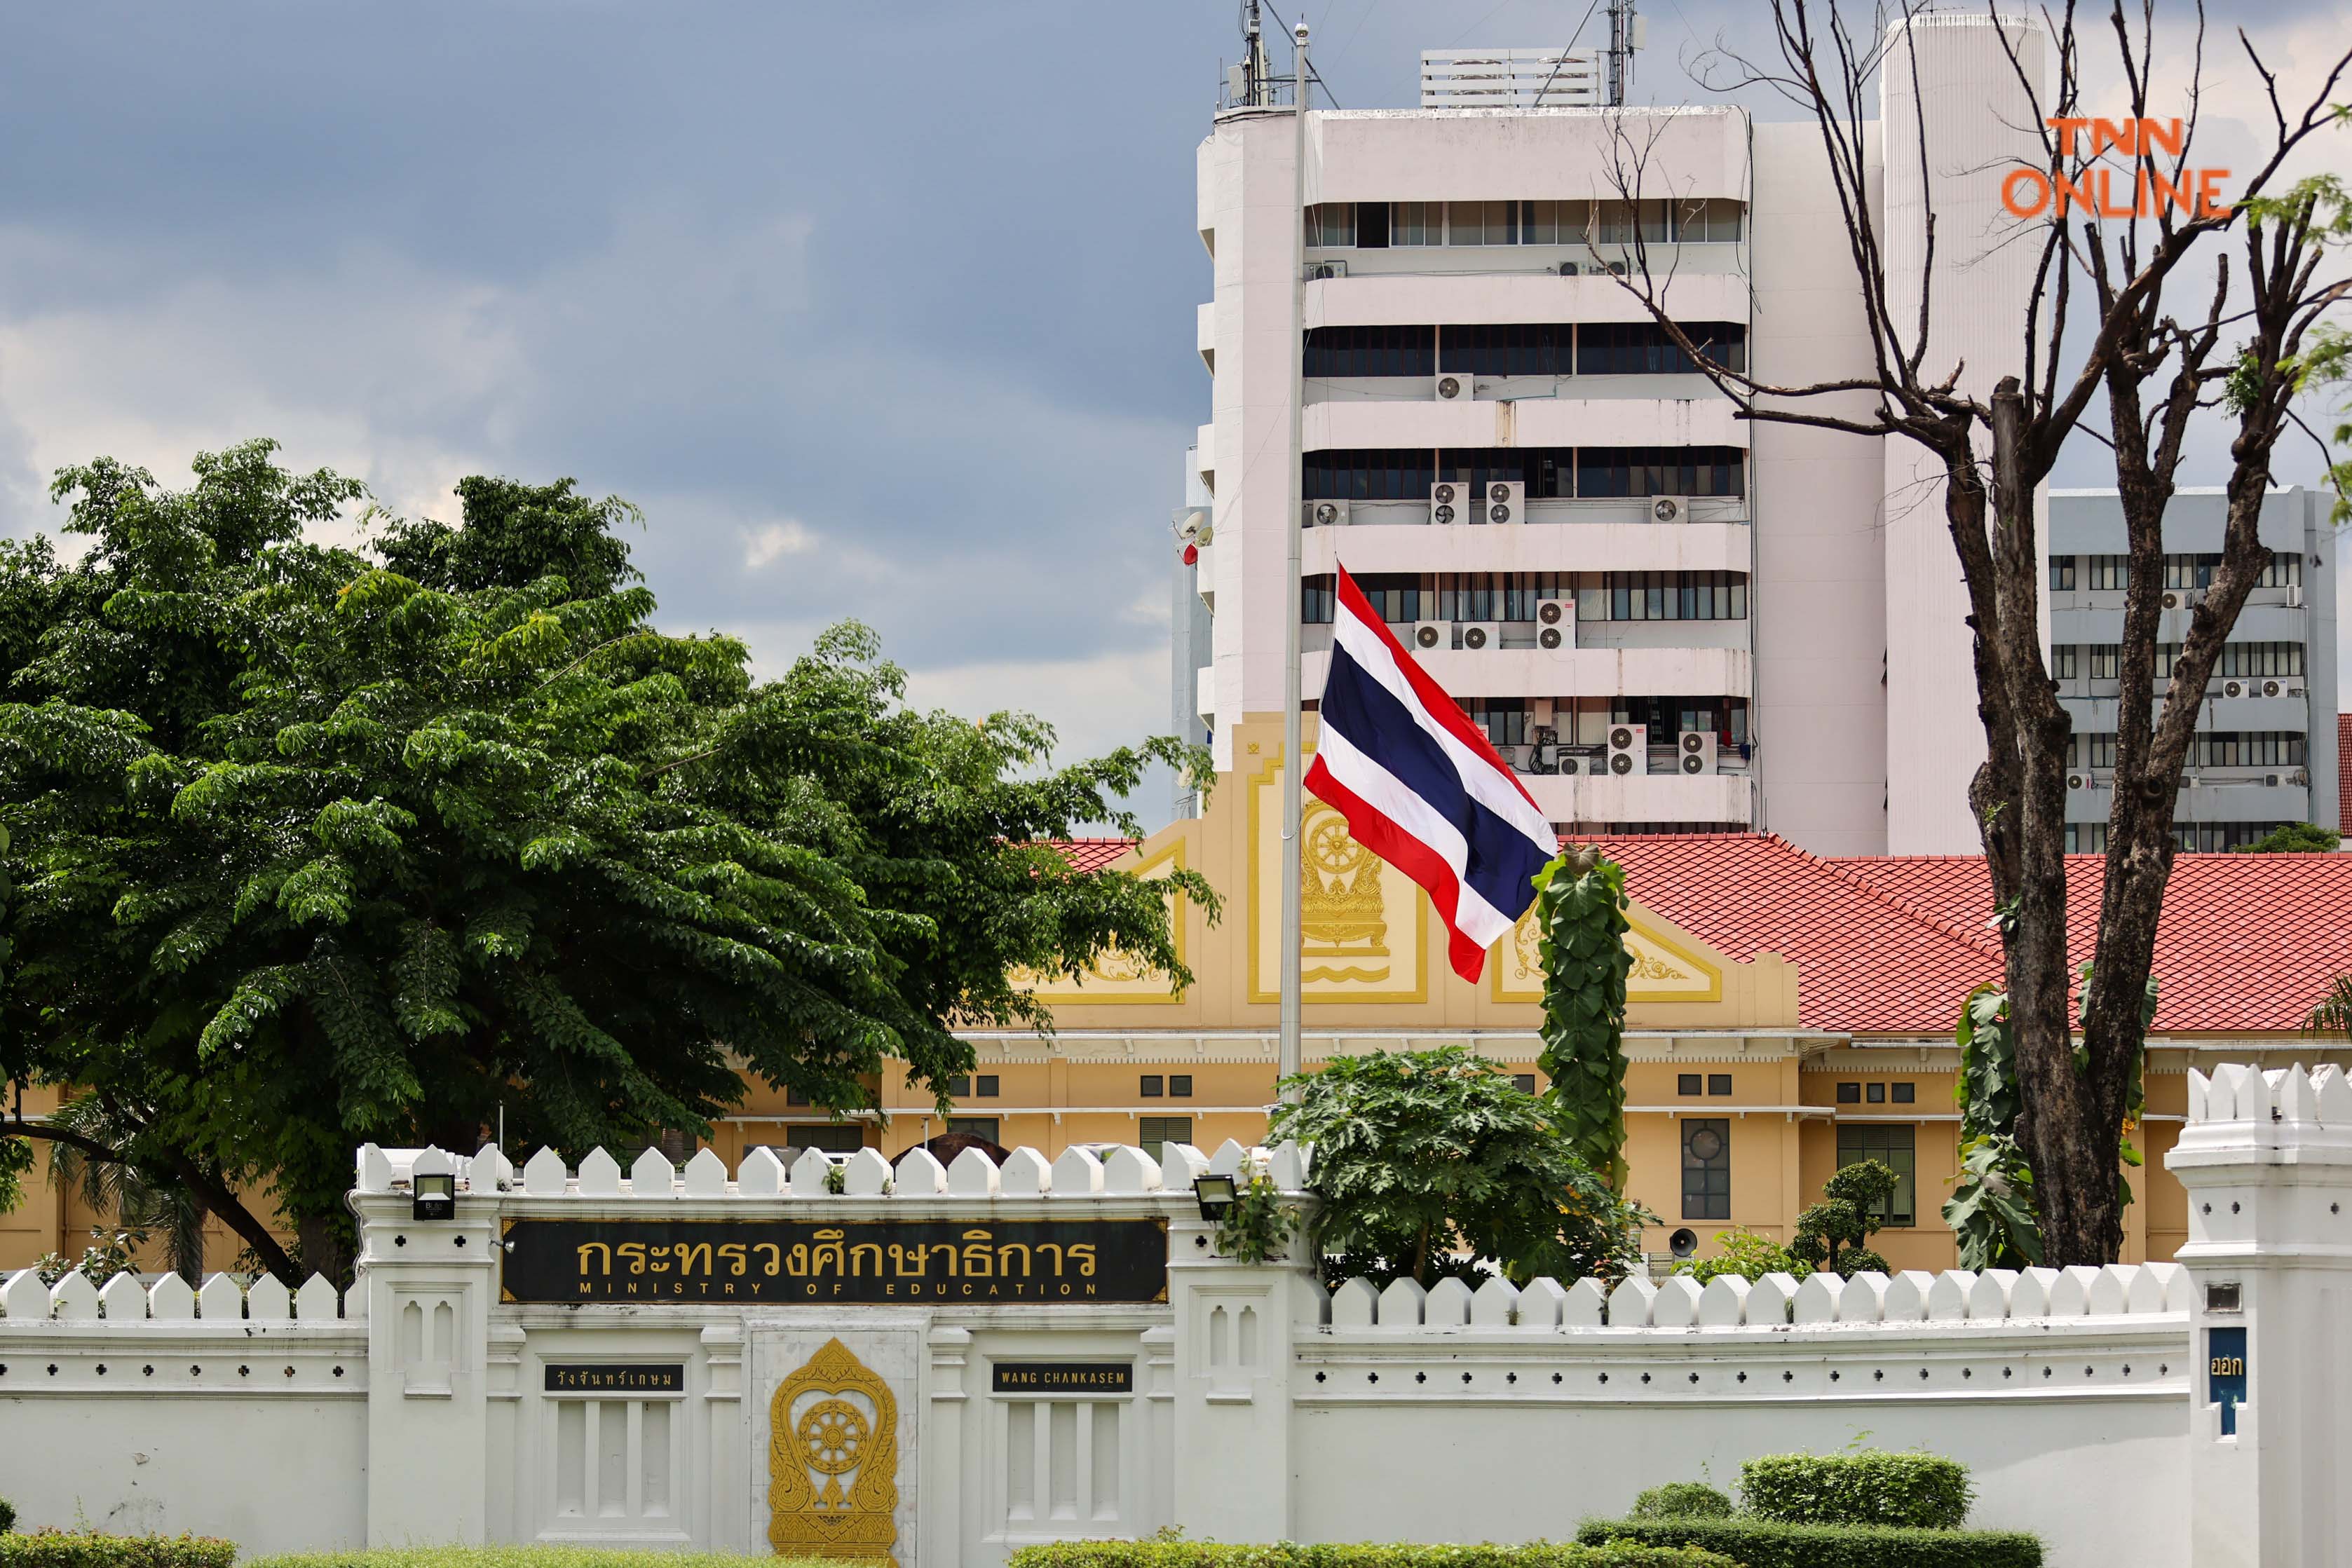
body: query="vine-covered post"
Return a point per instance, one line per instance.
(1580, 929)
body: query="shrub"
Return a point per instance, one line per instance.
(516, 1557)
(1872, 1486)
(7, 1516)
(1682, 1500)
(1763, 1543)
(1746, 1254)
(1291, 1555)
(88, 1549)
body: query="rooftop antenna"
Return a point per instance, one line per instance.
(1253, 90)
(1624, 38)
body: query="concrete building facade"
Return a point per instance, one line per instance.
(1670, 618)
(2266, 751)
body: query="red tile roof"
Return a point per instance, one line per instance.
(2344, 771)
(1892, 944)
(1091, 854)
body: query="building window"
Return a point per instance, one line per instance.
(2189, 570)
(2260, 659)
(1904, 1093)
(1672, 596)
(833, 1138)
(1525, 1082)
(1718, 1083)
(1706, 1168)
(1152, 1087)
(1466, 596)
(959, 1087)
(2106, 573)
(2210, 838)
(1849, 1094)
(1152, 1131)
(1416, 222)
(1895, 1147)
(2107, 660)
(2087, 837)
(1875, 1094)
(2247, 748)
(1179, 1086)
(1607, 470)
(1372, 351)
(1318, 600)
(987, 1083)
(2062, 573)
(1507, 721)
(2066, 661)
(1524, 348)
(1647, 349)
(976, 1127)
(1482, 222)
(1397, 597)
(1370, 474)
(2283, 571)
(1331, 225)
(2093, 748)
(796, 1098)
(1687, 1084)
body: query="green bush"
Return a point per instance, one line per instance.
(7, 1516)
(1746, 1254)
(521, 1557)
(1761, 1543)
(1923, 1491)
(1682, 1500)
(1290, 1555)
(88, 1549)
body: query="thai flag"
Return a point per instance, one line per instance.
(1421, 787)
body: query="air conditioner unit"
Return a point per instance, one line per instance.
(1452, 386)
(2270, 781)
(2183, 599)
(2076, 782)
(1505, 502)
(2233, 688)
(1446, 500)
(1629, 748)
(1480, 636)
(2270, 688)
(1695, 751)
(1572, 762)
(1616, 269)
(1569, 269)
(1326, 514)
(2295, 596)
(1321, 271)
(1429, 636)
(1556, 625)
(1670, 509)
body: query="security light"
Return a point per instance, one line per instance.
(434, 1195)
(1216, 1194)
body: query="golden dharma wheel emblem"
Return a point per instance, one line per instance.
(833, 1461)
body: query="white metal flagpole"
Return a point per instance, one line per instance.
(1293, 740)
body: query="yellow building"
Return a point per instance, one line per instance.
(1786, 1013)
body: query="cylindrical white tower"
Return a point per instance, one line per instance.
(1953, 117)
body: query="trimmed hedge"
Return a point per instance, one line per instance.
(1760, 1544)
(1682, 1500)
(1366, 1554)
(1926, 1491)
(511, 1556)
(88, 1549)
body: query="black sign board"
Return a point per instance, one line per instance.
(2225, 1374)
(1063, 1378)
(734, 1262)
(616, 1378)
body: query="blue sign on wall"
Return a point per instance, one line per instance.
(2225, 1374)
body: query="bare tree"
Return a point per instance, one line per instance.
(2245, 351)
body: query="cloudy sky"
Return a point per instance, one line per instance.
(878, 310)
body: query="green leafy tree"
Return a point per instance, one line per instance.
(2332, 1014)
(1420, 1156)
(1580, 929)
(316, 845)
(1834, 1234)
(2293, 838)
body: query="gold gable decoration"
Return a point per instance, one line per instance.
(1361, 922)
(1116, 975)
(1663, 971)
(833, 1463)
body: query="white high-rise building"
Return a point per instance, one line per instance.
(1668, 617)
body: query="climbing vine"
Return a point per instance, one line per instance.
(1580, 929)
(1258, 1225)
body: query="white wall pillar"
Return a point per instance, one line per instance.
(2267, 1160)
(1230, 1442)
(429, 1284)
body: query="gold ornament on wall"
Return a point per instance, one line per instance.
(833, 1462)
(1341, 913)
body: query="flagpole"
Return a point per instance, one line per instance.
(1288, 1057)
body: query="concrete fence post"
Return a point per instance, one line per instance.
(1235, 1327)
(428, 1284)
(2266, 1157)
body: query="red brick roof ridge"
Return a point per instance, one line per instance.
(1979, 939)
